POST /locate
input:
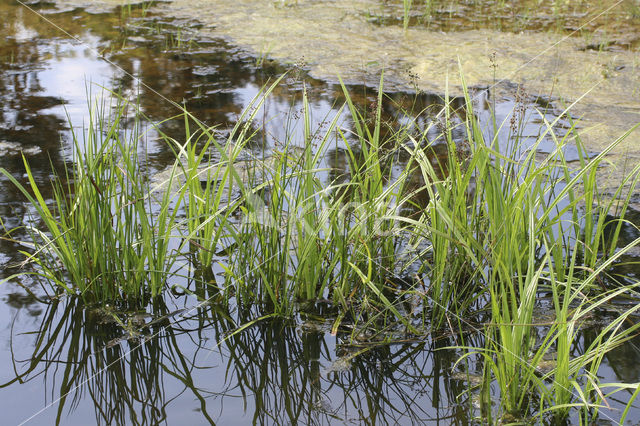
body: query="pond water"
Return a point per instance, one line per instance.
(184, 361)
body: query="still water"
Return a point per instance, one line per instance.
(183, 361)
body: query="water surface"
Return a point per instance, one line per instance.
(180, 360)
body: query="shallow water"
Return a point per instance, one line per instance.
(272, 373)
(73, 364)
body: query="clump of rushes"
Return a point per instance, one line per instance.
(98, 238)
(209, 185)
(528, 226)
(284, 248)
(499, 226)
(374, 196)
(302, 239)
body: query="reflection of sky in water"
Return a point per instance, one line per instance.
(280, 116)
(74, 72)
(22, 33)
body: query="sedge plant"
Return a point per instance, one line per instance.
(98, 238)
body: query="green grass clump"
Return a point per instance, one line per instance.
(97, 237)
(488, 230)
(304, 239)
(209, 184)
(528, 226)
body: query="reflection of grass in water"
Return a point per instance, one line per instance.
(123, 378)
(284, 371)
(280, 370)
(498, 226)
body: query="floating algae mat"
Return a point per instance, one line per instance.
(343, 38)
(338, 38)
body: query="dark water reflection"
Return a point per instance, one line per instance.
(193, 366)
(189, 362)
(178, 363)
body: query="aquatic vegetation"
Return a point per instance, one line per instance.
(527, 222)
(490, 227)
(514, 16)
(209, 185)
(325, 252)
(101, 237)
